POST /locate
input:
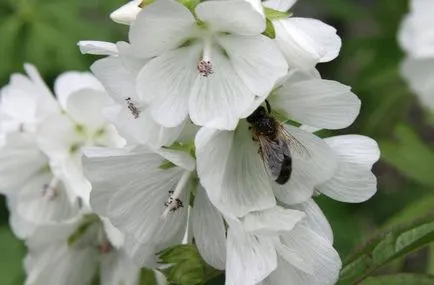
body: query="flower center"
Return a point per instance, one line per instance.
(133, 108)
(173, 203)
(49, 191)
(204, 66)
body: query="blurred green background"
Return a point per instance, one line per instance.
(45, 33)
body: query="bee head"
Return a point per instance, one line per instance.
(259, 113)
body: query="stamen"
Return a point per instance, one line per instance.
(132, 107)
(205, 68)
(49, 191)
(174, 203)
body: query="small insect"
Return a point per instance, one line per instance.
(275, 144)
(133, 109)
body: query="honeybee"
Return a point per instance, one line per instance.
(275, 143)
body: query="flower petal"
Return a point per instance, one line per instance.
(127, 13)
(315, 219)
(418, 74)
(306, 42)
(318, 103)
(209, 230)
(162, 26)
(310, 167)
(280, 5)
(217, 101)
(235, 17)
(272, 220)
(97, 48)
(250, 258)
(232, 172)
(259, 73)
(315, 249)
(73, 81)
(165, 83)
(353, 182)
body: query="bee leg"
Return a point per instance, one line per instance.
(250, 127)
(268, 106)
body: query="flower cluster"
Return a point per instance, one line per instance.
(417, 40)
(199, 130)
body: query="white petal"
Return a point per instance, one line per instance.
(127, 13)
(118, 81)
(315, 219)
(250, 258)
(232, 172)
(306, 42)
(37, 207)
(353, 182)
(419, 75)
(97, 48)
(316, 250)
(20, 159)
(165, 83)
(259, 73)
(209, 230)
(217, 101)
(280, 5)
(180, 158)
(236, 17)
(318, 103)
(117, 268)
(162, 26)
(84, 107)
(143, 255)
(272, 220)
(310, 167)
(72, 81)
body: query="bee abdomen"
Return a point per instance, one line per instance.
(285, 171)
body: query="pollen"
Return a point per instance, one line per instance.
(49, 192)
(205, 68)
(133, 108)
(173, 203)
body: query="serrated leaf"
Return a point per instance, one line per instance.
(387, 247)
(269, 30)
(400, 279)
(409, 155)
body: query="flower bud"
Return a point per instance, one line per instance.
(127, 13)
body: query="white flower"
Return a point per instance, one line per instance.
(73, 252)
(130, 114)
(25, 102)
(62, 136)
(209, 67)
(417, 40)
(415, 35)
(127, 13)
(229, 163)
(303, 41)
(144, 194)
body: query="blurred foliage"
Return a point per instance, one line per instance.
(45, 32)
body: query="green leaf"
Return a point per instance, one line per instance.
(409, 155)
(187, 267)
(400, 279)
(147, 277)
(269, 30)
(387, 247)
(11, 258)
(272, 14)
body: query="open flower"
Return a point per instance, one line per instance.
(143, 193)
(211, 67)
(303, 41)
(234, 166)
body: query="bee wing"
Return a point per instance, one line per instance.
(293, 144)
(273, 154)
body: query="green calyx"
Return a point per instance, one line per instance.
(186, 265)
(189, 4)
(272, 14)
(86, 223)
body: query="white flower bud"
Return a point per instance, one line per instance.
(127, 13)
